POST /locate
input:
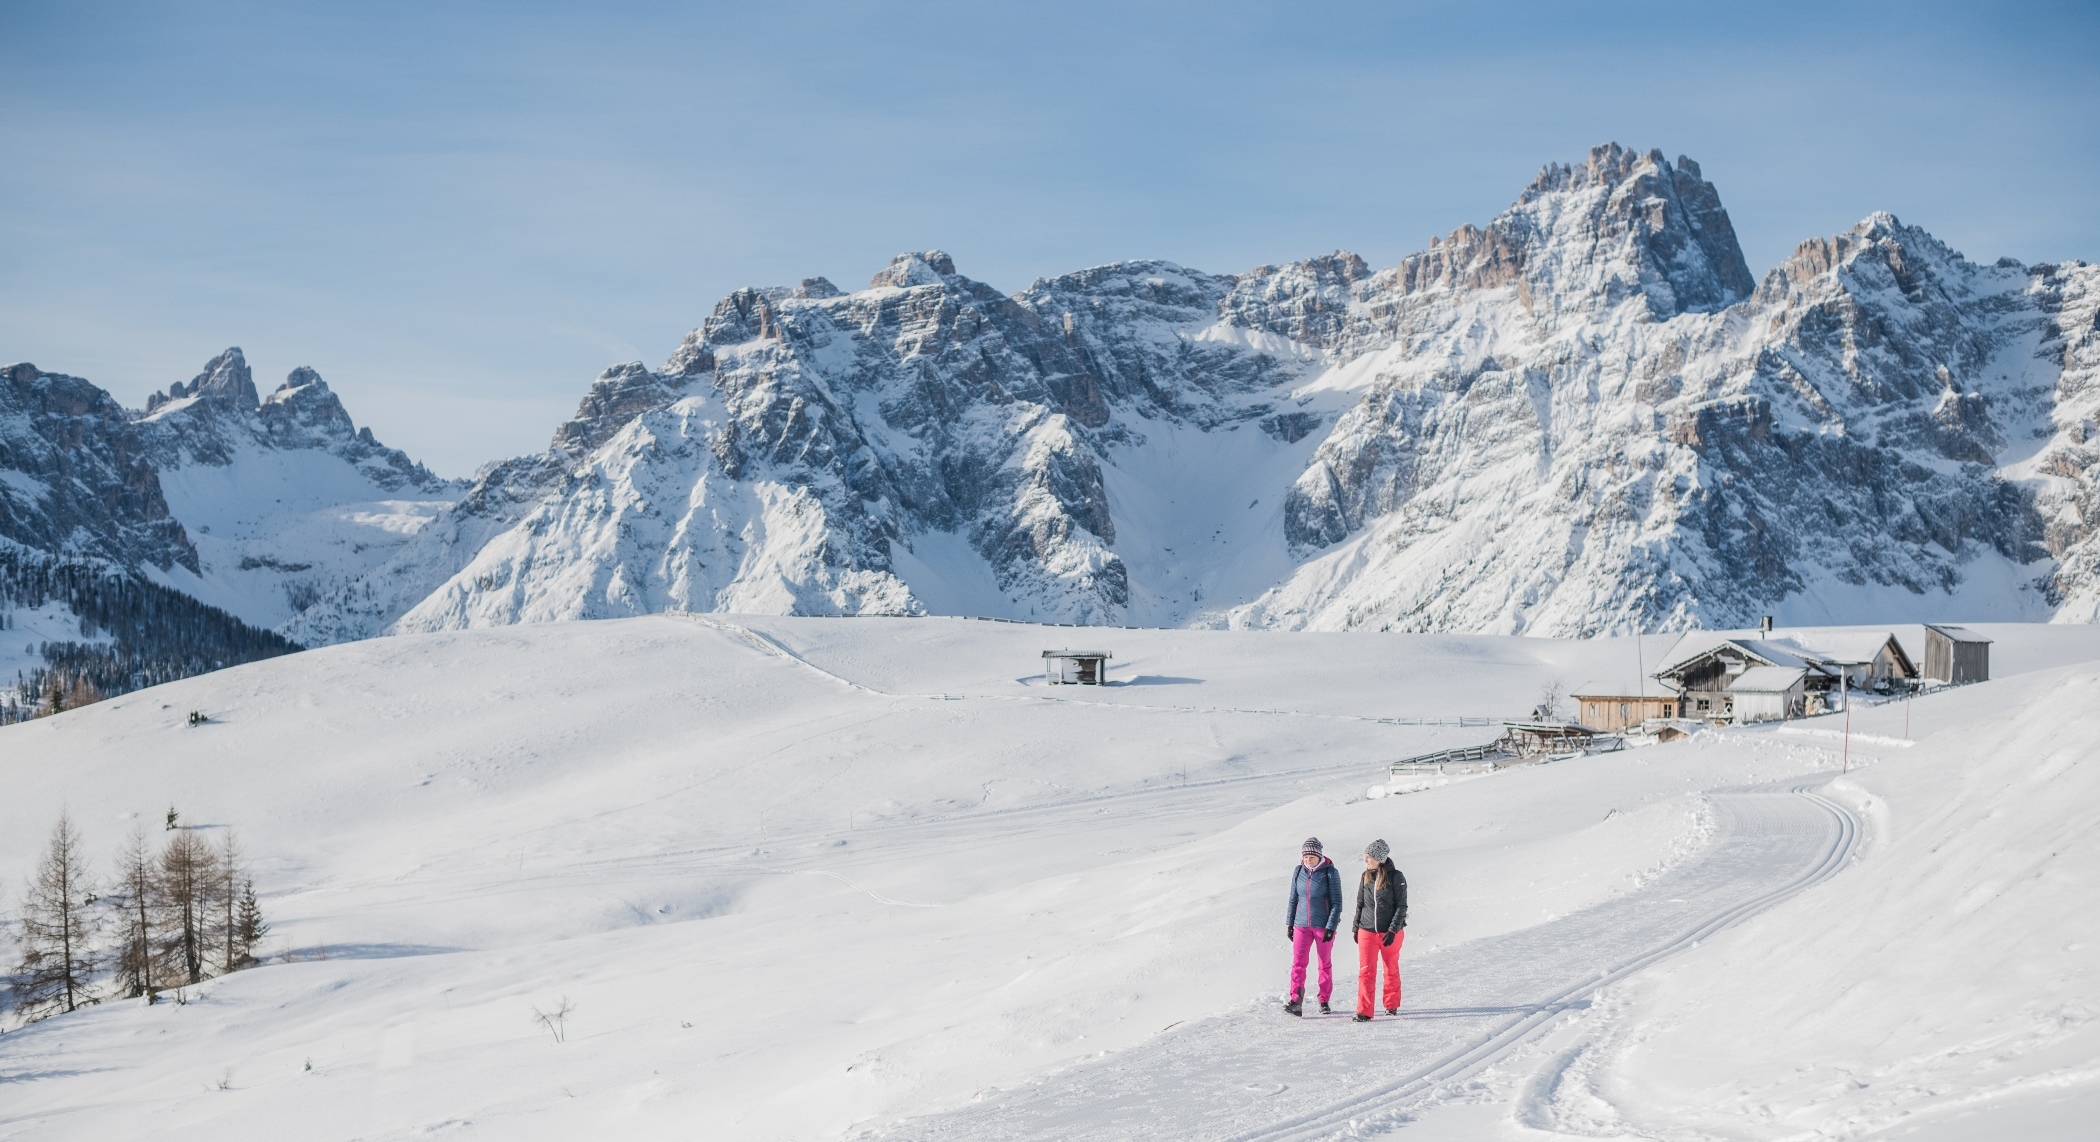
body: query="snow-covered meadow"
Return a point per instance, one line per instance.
(808, 878)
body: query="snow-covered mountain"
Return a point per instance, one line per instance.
(255, 505)
(1585, 415)
(283, 497)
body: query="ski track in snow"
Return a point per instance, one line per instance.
(1261, 1076)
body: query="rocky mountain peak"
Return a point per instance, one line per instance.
(301, 377)
(1306, 301)
(226, 381)
(908, 270)
(1627, 220)
(620, 394)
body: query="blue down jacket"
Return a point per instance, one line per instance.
(1326, 897)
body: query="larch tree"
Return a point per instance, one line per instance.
(134, 904)
(187, 881)
(56, 972)
(226, 903)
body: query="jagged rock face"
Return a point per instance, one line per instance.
(75, 478)
(210, 419)
(1583, 416)
(796, 437)
(284, 497)
(1831, 442)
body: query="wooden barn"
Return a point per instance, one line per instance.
(1618, 706)
(1076, 667)
(1956, 655)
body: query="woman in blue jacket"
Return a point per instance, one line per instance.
(1314, 912)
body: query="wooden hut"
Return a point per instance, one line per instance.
(1769, 693)
(1956, 654)
(1076, 667)
(1618, 706)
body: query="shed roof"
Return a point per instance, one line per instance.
(1855, 646)
(1958, 634)
(1077, 654)
(1767, 680)
(1624, 688)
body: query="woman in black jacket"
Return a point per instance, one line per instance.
(1381, 924)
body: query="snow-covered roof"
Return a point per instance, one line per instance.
(1769, 651)
(1767, 680)
(1851, 646)
(1623, 688)
(1077, 654)
(1958, 634)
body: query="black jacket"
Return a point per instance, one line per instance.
(1382, 910)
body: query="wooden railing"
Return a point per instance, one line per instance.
(1472, 759)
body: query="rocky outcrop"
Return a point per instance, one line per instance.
(76, 479)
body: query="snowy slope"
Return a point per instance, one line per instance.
(1585, 416)
(806, 877)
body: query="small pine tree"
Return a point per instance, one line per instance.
(57, 969)
(249, 926)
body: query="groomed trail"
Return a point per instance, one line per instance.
(1258, 1075)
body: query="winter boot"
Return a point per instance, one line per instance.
(1362, 1018)
(1326, 1010)
(1392, 1011)
(1294, 1007)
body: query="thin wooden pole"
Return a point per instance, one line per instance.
(1845, 685)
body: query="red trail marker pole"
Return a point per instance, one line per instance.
(1846, 690)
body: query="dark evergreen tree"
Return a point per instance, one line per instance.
(249, 926)
(156, 634)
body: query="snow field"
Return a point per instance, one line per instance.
(811, 877)
(1954, 972)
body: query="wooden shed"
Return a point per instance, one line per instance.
(1076, 667)
(1769, 693)
(1617, 706)
(1956, 654)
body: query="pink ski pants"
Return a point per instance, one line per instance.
(1304, 940)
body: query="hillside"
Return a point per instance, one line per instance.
(675, 821)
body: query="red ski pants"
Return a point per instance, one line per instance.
(1371, 951)
(1303, 941)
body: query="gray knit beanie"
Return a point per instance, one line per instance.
(1312, 847)
(1377, 850)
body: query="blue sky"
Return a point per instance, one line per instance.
(459, 213)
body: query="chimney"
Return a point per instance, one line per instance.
(1764, 629)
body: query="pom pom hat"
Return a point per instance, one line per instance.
(1312, 847)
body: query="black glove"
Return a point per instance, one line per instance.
(1290, 933)
(1327, 937)
(1388, 939)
